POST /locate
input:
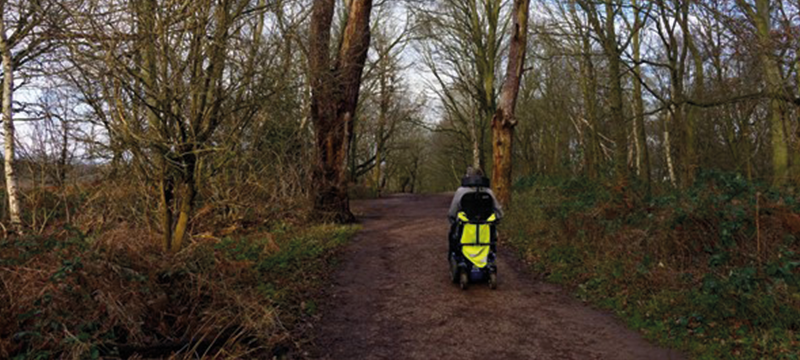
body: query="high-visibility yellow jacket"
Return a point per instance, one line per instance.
(476, 234)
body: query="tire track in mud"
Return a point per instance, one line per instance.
(391, 298)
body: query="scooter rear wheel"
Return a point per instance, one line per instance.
(463, 280)
(493, 281)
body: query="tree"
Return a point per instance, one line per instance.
(589, 86)
(169, 79)
(8, 122)
(760, 17)
(383, 103)
(463, 47)
(504, 121)
(335, 85)
(639, 131)
(27, 41)
(604, 26)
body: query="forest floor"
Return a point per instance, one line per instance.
(392, 298)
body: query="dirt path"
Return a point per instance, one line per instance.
(392, 299)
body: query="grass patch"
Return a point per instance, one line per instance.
(696, 270)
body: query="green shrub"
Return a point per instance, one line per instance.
(683, 267)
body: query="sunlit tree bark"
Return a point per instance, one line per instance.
(335, 87)
(504, 121)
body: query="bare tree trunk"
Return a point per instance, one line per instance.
(145, 17)
(780, 151)
(476, 148)
(187, 195)
(690, 147)
(8, 125)
(589, 90)
(796, 169)
(166, 192)
(615, 97)
(335, 90)
(63, 158)
(378, 159)
(606, 31)
(640, 133)
(746, 151)
(383, 111)
(668, 149)
(503, 122)
(759, 15)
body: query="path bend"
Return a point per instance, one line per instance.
(391, 298)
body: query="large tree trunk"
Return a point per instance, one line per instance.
(8, 125)
(503, 122)
(335, 90)
(780, 150)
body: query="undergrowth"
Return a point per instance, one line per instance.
(69, 295)
(697, 270)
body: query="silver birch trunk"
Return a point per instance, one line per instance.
(668, 151)
(8, 126)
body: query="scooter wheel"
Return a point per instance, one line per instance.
(493, 281)
(464, 280)
(454, 273)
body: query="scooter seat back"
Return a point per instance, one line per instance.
(478, 206)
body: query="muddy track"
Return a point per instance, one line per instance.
(391, 298)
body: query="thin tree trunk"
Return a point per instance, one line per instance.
(383, 111)
(690, 160)
(589, 89)
(676, 55)
(145, 11)
(378, 160)
(640, 132)
(691, 118)
(476, 148)
(617, 113)
(503, 122)
(668, 150)
(187, 195)
(166, 191)
(8, 126)
(64, 156)
(796, 169)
